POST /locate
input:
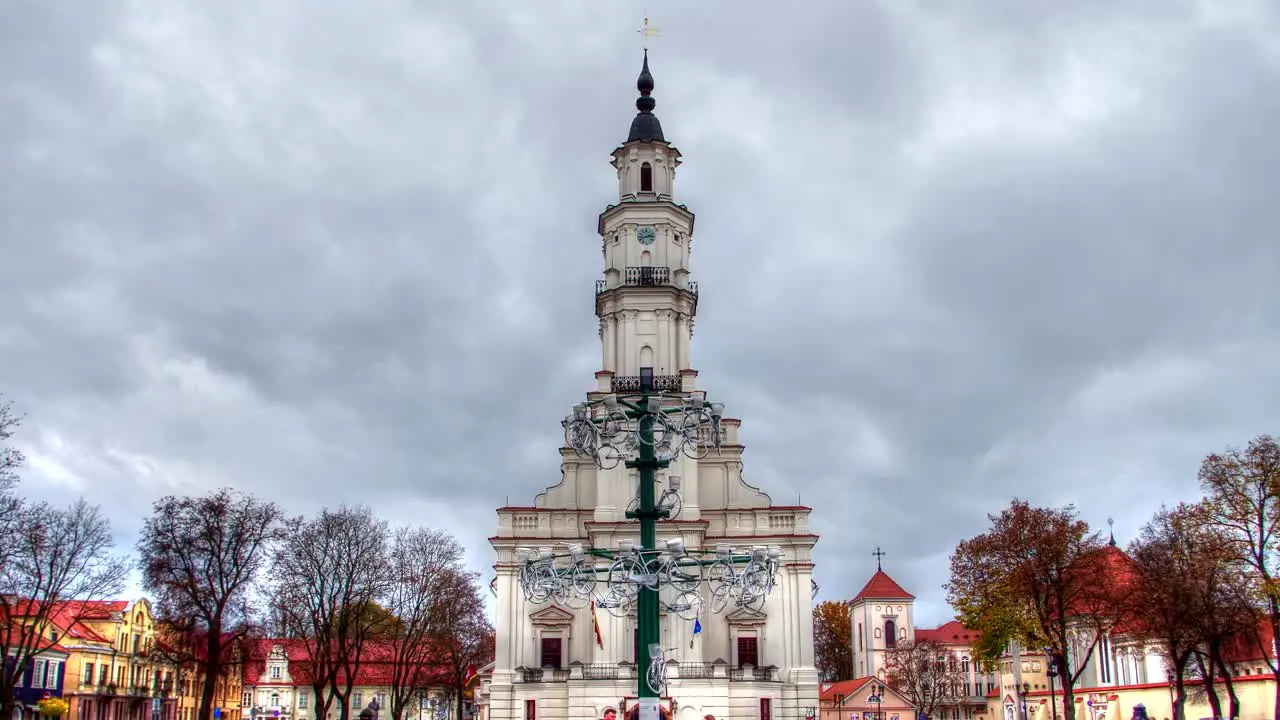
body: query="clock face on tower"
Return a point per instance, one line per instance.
(645, 235)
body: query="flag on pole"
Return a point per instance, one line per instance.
(471, 674)
(697, 628)
(595, 624)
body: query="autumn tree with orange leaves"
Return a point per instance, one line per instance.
(833, 641)
(1037, 577)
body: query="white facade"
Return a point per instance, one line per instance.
(646, 303)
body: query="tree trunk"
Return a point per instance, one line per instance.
(210, 668)
(1274, 608)
(1207, 676)
(1180, 700)
(1233, 702)
(323, 702)
(1068, 698)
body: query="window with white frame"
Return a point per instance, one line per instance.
(37, 673)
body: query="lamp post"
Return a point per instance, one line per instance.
(1173, 702)
(1026, 690)
(1052, 672)
(875, 699)
(645, 424)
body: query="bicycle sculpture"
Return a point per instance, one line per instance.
(647, 430)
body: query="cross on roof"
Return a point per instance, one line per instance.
(647, 31)
(879, 554)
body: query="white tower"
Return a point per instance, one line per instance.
(548, 662)
(882, 615)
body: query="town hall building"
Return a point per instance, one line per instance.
(740, 663)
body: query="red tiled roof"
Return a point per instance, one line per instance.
(843, 688)
(377, 666)
(1248, 649)
(882, 587)
(949, 633)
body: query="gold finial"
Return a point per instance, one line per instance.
(647, 31)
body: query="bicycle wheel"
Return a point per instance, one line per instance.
(755, 579)
(687, 605)
(720, 599)
(752, 601)
(622, 577)
(657, 675)
(672, 503)
(683, 573)
(582, 579)
(614, 604)
(721, 573)
(581, 437)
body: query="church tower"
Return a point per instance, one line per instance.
(882, 616)
(563, 661)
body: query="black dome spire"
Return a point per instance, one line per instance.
(645, 127)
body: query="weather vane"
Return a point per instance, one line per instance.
(647, 31)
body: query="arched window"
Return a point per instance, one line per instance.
(646, 177)
(877, 632)
(890, 634)
(275, 700)
(646, 356)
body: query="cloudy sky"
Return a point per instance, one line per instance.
(333, 251)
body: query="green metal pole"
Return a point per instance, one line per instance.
(647, 618)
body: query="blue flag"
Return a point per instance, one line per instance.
(697, 626)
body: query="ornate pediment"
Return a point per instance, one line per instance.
(746, 617)
(552, 616)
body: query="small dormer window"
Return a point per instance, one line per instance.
(646, 177)
(275, 672)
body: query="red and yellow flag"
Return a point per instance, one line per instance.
(595, 623)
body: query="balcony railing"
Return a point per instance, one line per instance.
(647, 277)
(535, 675)
(752, 674)
(632, 383)
(600, 671)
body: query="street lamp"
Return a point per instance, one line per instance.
(875, 699)
(1173, 703)
(1026, 690)
(1052, 672)
(646, 424)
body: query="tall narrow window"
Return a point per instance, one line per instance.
(748, 652)
(766, 709)
(646, 178)
(551, 652)
(37, 674)
(890, 634)
(859, 636)
(530, 710)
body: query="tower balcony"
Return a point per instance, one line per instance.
(647, 277)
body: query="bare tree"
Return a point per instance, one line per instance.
(330, 572)
(11, 458)
(1242, 489)
(200, 557)
(1171, 573)
(925, 673)
(422, 564)
(463, 637)
(59, 558)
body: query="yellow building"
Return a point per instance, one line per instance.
(117, 670)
